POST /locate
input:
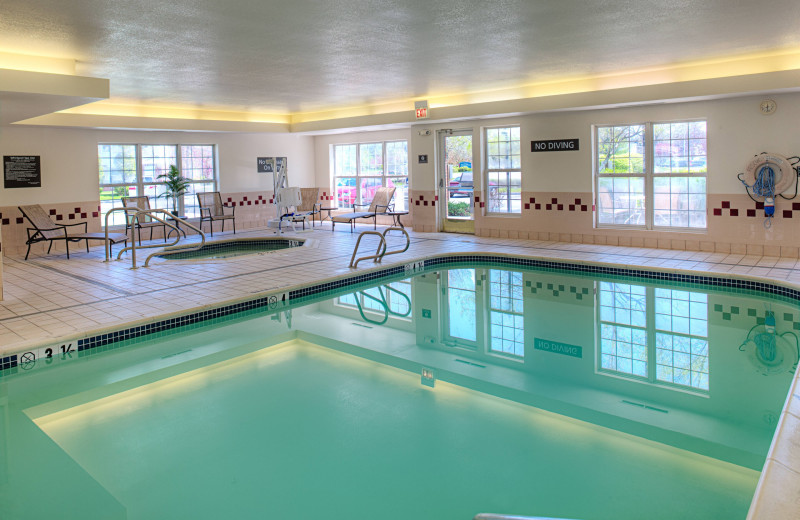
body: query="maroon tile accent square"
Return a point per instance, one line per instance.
(527, 206)
(548, 207)
(717, 212)
(421, 197)
(750, 212)
(20, 220)
(249, 202)
(230, 199)
(6, 221)
(477, 199)
(734, 212)
(759, 205)
(538, 206)
(260, 197)
(83, 215)
(593, 207)
(435, 197)
(560, 207)
(52, 212)
(433, 203)
(796, 206)
(554, 200)
(482, 204)
(244, 198)
(425, 203)
(416, 202)
(577, 201)
(584, 207)
(95, 214)
(77, 210)
(531, 200)
(572, 207)
(787, 213)
(59, 217)
(726, 204)
(99, 209)
(72, 216)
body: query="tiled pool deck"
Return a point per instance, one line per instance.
(50, 298)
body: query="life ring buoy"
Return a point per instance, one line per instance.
(785, 174)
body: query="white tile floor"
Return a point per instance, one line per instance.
(50, 299)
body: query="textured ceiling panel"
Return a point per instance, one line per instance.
(308, 55)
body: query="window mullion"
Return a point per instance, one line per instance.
(648, 171)
(651, 333)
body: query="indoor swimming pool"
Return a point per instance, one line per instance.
(451, 391)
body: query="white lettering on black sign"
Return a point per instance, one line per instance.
(557, 145)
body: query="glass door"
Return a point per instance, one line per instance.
(456, 188)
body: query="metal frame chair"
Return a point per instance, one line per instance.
(45, 230)
(382, 199)
(142, 203)
(212, 209)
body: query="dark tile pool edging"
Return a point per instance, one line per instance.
(11, 361)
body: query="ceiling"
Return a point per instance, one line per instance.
(307, 56)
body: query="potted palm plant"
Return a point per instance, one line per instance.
(175, 186)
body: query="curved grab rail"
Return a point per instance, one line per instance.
(152, 213)
(389, 289)
(378, 253)
(184, 248)
(408, 242)
(381, 251)
(108, 213)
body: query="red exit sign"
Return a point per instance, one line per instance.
(421, 109)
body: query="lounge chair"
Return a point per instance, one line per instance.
(310, 204)
(44, 229)
(381, 203)
(212, 209)
(141, 203)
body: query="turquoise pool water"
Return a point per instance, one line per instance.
(552, 395)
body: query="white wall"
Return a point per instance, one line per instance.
(736, 132)
(69, 159)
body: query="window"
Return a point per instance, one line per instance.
(128, 170)
(360, 169)
(651, 175)
(654, 334)
(503, 169)
(505, 313)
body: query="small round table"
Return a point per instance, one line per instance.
(396, 217)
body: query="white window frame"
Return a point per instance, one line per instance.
(139, 183)
(649, 177)
(359, 176)
(508, 210)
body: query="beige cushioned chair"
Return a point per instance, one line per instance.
(212, 209)
(380, 204)
(45, 230)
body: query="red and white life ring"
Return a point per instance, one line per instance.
(785, 175)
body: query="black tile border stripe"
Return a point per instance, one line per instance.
(300, 295)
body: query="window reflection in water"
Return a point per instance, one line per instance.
(505, 312)
(461, 304)
(639, 324)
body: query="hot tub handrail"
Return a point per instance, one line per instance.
(108, 213)
(385, 252)
(182, 248)
(153, 214)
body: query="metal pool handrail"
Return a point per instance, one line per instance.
(108, 213)
(380, 252)
(152, 213)
(180, 249)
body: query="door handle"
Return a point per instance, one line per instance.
(441, 183)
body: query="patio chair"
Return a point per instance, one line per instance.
(309, 204)
(381, 203)
(45, 230)
(141, 203)
(212, 209)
